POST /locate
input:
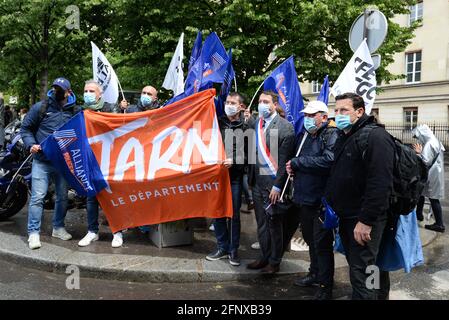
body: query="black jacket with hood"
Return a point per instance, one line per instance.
(360, 185)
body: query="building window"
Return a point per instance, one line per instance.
(413, 63)
(416, 12)
(410, 118)
(316, 88)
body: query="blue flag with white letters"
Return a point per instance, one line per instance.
(69, 152)
(210, 67)
(284, 81)
(324, 93)
(196, 50)
(226, 86)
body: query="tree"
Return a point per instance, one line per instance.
(140, 36)
(40, 40)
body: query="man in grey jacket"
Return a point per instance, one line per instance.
(275, 146)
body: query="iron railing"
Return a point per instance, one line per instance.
(405, 133)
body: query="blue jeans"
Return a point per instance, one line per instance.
(92, 214)
(42, 174)
(228, 237)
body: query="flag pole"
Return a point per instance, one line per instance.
(252, 100)
(121, 90)
(235, 84)
(297, 154)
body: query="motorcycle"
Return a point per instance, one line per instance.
(15, 177)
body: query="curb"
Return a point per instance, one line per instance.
(141, 268)
(135, 268)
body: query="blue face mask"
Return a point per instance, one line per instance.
(309, 124)
(264, 110)
(89, 98)
(343, 121)
(146, 100)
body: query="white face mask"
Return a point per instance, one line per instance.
(231, 110)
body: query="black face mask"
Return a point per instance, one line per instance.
(59, 95)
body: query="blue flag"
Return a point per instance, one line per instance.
(196, 50)
(226, 86)
(324, 93)
(209, 68)
(69, 151)
(284, 81)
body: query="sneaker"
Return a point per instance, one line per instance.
(255, 246)
(211, 227)
(308, 281)
(234, 259)
(217, 255)
(299, 245)
(435, 227)
(62, 234)
(117, 241)
(88, 239)
(33, 241)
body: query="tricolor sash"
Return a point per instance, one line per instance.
(265, 158)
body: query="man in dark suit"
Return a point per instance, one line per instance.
(275, 145)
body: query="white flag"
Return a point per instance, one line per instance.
(359, 76)
(105, 75)
(174, 79)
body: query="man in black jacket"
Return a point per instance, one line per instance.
(358, 190)
(275, 146)
(148, 101)
(232, 125)
(311, 170)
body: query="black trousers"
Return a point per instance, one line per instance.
(320, 242)
(436, 209)
(291, 223)
(269, 229)
(359, 258)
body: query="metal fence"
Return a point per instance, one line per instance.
(405, 134)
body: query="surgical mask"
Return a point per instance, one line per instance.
(264, 110)
(309, 124)
(90, 98)
(343, 121)
(146, 100)
(231, 110)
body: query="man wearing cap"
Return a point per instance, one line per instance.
(43, 119)
(311, 170)
(148, 101)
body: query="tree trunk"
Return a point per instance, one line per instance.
(44, 56)
(33, 88)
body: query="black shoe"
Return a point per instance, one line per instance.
(308, 281)
(270, 269)
(435, 227)
(256, 265)
(323, 293)
(234, 259)
(217, 255)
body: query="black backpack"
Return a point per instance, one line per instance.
(409, 173)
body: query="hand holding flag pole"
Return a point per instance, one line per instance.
(297, 154)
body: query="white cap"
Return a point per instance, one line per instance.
(314, 107)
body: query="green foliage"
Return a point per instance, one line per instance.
(139, 38)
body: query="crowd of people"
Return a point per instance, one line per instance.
(323, 162)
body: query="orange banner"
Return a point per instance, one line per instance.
(161, 165)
